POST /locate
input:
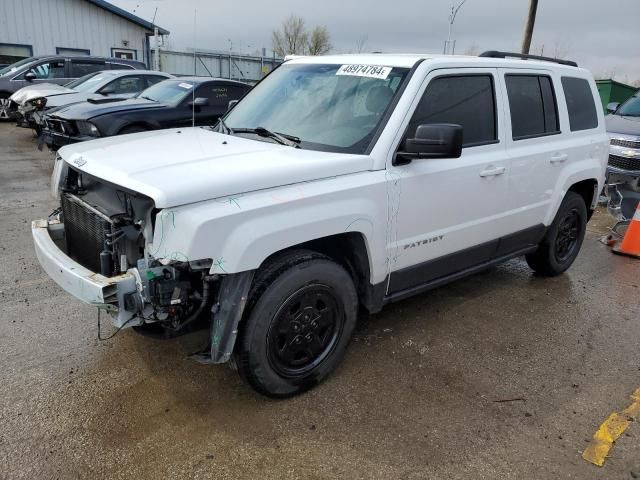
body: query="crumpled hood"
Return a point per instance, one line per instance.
(40, 90)
(622, 124)
(181, 166)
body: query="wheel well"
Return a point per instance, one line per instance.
(586, 189)
(350, 251)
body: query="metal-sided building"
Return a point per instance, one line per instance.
(72, 27)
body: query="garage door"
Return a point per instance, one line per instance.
(12, 53)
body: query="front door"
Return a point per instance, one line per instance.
(444, 215)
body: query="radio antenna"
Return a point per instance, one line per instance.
(193, 87)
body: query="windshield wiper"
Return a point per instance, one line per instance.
(227, 129)
(281, 138)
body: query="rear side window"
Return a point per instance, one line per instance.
(533, 107)
(80, 68)
(582, 109)
(220, 95)
(468, 101)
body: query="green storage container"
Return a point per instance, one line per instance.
(612, 91)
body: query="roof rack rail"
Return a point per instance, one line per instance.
(497, 54)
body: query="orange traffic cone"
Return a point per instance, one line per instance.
(630, 244)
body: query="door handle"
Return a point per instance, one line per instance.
(493, 171)
(559, 158)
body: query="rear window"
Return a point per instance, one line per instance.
(533, 107)
(580, 104)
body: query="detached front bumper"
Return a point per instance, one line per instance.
(90, 287)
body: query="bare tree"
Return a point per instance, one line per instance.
(291, 38)
(319, 41)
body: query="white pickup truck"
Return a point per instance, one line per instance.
(338, 182)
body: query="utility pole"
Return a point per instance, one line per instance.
(528, 29)
(449, 44)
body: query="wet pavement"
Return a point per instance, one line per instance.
(502, 375)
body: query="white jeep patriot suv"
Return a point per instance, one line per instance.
(338, 182)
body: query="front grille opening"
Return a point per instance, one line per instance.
(85, 232)
(625, 143)
(624, 163)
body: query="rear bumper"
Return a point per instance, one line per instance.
(85, 285)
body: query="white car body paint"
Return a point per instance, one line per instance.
(236, 201)
(58, 95)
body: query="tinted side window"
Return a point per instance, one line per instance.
(46, 70)
(582, 110)
(81, 68)
(127, 85)
(468, 101)
(153, 79)
(532, 102)
(220, 95)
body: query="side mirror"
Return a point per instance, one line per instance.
(30, 76)
(433, 140)
(612, 107)
(199, 102)
(107, 91)
(232, 104)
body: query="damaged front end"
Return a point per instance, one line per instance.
(96, 246)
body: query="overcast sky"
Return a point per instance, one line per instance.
(603, 36)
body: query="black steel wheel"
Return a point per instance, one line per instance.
(301, 312)
(563, 240)
(304, 330)
(568, 235)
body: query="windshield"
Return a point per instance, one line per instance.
(83, 84)
(15, 66)
(328, 107)
(630, 108)
(168, 91)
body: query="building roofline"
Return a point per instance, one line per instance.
(128, 16)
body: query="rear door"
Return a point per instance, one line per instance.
(79, 67)
(445, 215)
(537, 144)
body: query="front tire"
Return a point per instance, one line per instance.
(300, 316)
(562, 242)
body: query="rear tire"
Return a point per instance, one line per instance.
(301, 312)
(563, 240)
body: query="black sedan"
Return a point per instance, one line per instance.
(168, 104)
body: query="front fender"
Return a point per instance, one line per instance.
(238, 233)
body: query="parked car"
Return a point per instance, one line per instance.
(338, 182)
(623, 172)
(35, 100)
(170, 103)
(58, 69)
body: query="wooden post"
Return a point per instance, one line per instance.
(528, 29)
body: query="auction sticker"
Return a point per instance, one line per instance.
(185, 85)
(371, 71)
